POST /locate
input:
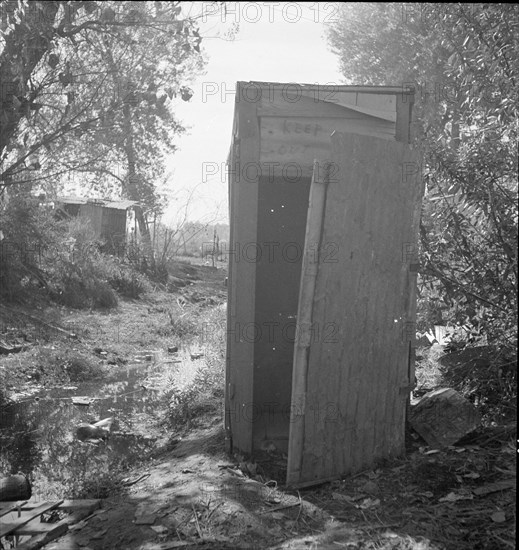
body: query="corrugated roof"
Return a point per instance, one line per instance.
(118, 205)
(71, 200)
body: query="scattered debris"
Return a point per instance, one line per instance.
(6, 349)
(498, 517)
(497, 486)
(128, 483)
(145, 520)
(99, 430)
(83, 400)
(442, 417)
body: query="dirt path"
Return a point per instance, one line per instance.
(196, 496)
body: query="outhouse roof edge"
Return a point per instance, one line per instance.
(408, 90)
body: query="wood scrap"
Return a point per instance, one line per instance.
(8, 527)
(503, 485)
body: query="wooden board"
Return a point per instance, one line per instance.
(289, 145)
(71, 505)
(242, 276)
(362, 309)
(7, 507)
(314, 226)
(322, 101)
(8, 525)
(43, 533)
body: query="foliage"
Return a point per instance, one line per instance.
(25, 232)
(142, 258)
(126, 280)
(462, 60)
(80, 368)
(187, 402)
(89, 90)
(79, 275)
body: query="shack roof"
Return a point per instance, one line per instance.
(118, 205)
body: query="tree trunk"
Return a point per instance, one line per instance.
(133, 179)
(14, 74)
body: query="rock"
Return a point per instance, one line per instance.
(14, 488)
(442, 417)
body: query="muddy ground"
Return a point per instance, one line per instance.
(188, 492)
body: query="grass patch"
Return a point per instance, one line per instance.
(428, 371)
(204, 392)
(50, 366)
(201, 396)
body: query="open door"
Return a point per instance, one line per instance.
(353, 358)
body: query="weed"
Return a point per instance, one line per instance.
(202, 395)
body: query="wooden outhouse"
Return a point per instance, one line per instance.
(320, 389)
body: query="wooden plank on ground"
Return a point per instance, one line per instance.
(38, 527)
(60, 528)
(7, 507)
(7, 527)
(81, 505)
(72, 505)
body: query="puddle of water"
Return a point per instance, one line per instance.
(37, 435)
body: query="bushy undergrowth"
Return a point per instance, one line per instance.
(95, 485)
(203, 395)
(64, 258)
(25, 231)
(54, 366)
(85, 277)
(126, 280)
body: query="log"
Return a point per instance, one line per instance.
(15, 487)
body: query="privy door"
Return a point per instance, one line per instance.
(353, 360)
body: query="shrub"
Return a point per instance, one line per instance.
(81, 368)
(202, 395)
(126, 280)
(25, 231)
(82, 276)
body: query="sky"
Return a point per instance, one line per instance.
(275, 42)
